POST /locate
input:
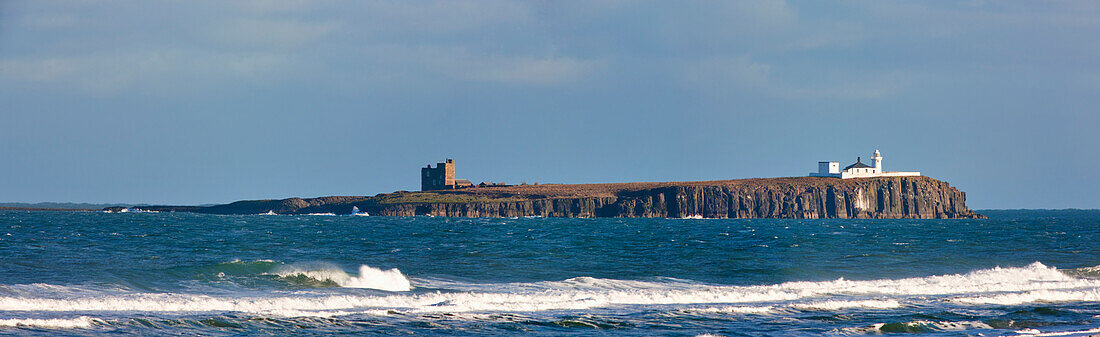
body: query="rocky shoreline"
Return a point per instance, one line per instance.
(798, 198)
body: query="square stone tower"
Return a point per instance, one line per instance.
(442, 176)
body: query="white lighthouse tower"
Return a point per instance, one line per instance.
(878, 161)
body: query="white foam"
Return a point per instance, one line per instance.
(996, 286)
(827, 305)
(51, 323)
(356, 212)
(1093, 269)
(131, 210)
(733, 310)
(956, 326)
(833, 305)
(178, 303)
(1042, 295)
(1033, 332)
(374, 278)
(369, 277)
(876, 329)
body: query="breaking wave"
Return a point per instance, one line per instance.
(921, 326)
(1087, 272)
(1035, 282)
(326, 275)
(833, 305)
(51, 323)
(300, 275)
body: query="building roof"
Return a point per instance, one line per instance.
(858, 164)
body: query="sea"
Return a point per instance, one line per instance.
(1018, 273)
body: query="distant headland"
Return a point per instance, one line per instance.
(874, 195)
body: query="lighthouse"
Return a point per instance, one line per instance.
(878, 161)
(858, 170)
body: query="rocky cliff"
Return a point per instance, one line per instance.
(802, 198)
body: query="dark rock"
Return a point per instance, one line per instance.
(802, 198)
(904, 197)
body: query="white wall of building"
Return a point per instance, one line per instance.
(827, 169)
(832, 169)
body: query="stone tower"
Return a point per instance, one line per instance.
(442, 176)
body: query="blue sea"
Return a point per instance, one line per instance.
(1018, 273)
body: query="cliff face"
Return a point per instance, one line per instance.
(284, 206)
(905, 197)
(585, 207)
(800, 198)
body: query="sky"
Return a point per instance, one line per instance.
(195, 102)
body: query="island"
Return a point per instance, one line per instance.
(888, 197)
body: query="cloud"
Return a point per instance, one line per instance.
(531, 70)
(832, 35)
(271, 6)
(722, 75)
(38, 70)
(739, 71)
(114, 72)
(745, 46)
(441, 17)
(265, 33)
(524, 70)
(714, 25)
(49, 21)
(401, 65)
(214, 43)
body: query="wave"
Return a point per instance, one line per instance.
(1043, 295)
(1035, 282)
(732, 310)
(833, 305)
(828, 305)
(307, 275)
(921, 326)
(1075, 333)
(130, 210)
(1087, 272)
(52, 323)
(355, 211)
(329, 275)
(239, 267)
(235, 271)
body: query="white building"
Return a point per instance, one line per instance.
(857, 170)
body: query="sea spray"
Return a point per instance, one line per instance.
(331, 275)
(374, 278)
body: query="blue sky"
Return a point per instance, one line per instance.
(190, 102)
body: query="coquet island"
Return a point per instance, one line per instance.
(857, 191)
